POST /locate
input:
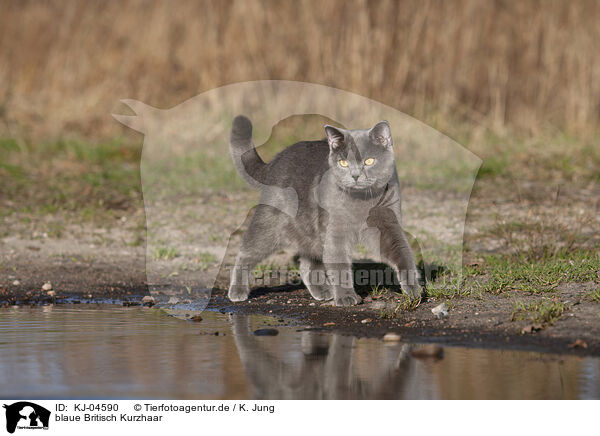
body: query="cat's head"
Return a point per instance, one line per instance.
(361, 160)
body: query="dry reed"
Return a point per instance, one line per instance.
(524, 65)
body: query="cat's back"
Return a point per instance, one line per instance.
(298, 164)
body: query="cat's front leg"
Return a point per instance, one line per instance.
(395, 249)
(337, 258)
(314, 277)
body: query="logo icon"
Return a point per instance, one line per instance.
(26, 415)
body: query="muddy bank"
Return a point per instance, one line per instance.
(472, 321)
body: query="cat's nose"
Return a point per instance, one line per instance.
(355, 176)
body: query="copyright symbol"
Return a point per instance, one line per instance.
(137, 407)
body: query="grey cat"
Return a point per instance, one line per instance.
(322, 198)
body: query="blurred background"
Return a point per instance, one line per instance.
(514, 82)
(501, 64)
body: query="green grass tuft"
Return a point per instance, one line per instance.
(165, 253)
(595, 295)
(542, 312)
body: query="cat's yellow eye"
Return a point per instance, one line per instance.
(343, 163)
(369, 161)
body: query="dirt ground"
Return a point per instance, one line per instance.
(89, 262)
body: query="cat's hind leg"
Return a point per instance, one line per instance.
(314, 277)
(262, 238)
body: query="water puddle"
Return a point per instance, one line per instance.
(108, 351)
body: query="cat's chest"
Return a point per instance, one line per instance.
(342, 209)
(348, 211)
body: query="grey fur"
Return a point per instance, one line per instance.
(337, 207)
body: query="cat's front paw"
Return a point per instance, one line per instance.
(347, 299)
(320, 292)
(327, 294)
(412, 291)
(238, 292)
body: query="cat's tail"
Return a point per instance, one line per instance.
(245, 158)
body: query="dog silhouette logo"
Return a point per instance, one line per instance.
(26, 415)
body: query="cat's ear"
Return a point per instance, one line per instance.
(382, 134)
(335, 137)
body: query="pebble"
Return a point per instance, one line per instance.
(441, 310)
(196, 318)
(46, 286)
(392, 337)
(173, 300)
(312, 304)
(271, 301)
(148, 300)
(366, 320)
(432, 350)
(289, 302)
(266, 332)
(16, 283)
(579, 343)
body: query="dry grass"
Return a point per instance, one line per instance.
(527, 65)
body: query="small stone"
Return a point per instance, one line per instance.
(266, 332)
(148, 300)
(328, 324)
(16, 283)
(429, 351)
(440, 311)
(366, 320)
(196, 318)
(531, 328)
(392, 337)
(579, 343)
(46, 286)
(173, 300)
(312, 304)
(271, 301)
(289, 302)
